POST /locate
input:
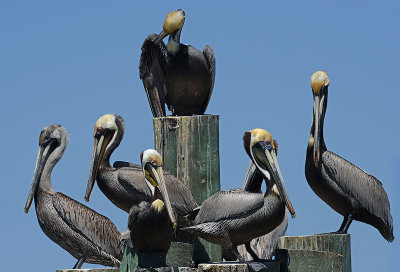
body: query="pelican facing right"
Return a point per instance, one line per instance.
(235, 217)
(345, 187)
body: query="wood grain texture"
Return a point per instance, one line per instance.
(304, 251)
(129, 260)
(189, 146)
(179, 255)
(270, 266)
(316, 261)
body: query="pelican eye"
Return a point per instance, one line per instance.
(268, 144)
(45, 140)
(98, 132)
(154, 164)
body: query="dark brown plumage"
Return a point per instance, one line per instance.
(179, 75)
(152, 224)
(346, 188)
(151, 230)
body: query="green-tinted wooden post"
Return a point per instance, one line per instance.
(189, 146)
(179, 254)
(327, 252)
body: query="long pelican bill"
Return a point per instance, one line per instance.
(43, 154)
(318, 104)
(164, 193)
(156, 178)
(99, 146)
(265, 160)
(160, 37)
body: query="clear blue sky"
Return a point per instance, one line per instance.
(71, 62)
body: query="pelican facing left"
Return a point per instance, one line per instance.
(123, 183)
(87, 235)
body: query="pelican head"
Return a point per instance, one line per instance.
(153, 174)
(173, 25)
(105, 131)
(319, 85)
(50, 138)
(262, 149)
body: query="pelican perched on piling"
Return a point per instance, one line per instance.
(235, 217)
(88, 236)
(179, 75)
(152, 223)
(345, 187)
(123, 183)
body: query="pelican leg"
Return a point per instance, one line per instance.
(237, 254)
(251, 252)
(345, 224)
(79, 263)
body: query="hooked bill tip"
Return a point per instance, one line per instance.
(294, 215)
(26, 210)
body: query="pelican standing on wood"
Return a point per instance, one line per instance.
(343, 186)
(179, 75)
(152, 223)
(123, 183)
(88, 236)
(235, 217)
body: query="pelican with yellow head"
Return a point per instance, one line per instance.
(152, 224)
(178, 75)
(346, 188)
(123, 183)
(235, 217)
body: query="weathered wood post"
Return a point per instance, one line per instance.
(189, 146)
(320, 252)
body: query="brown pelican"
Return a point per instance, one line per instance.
(88, 236)
(177, 74)
(235, 217)
(346, 188)
(263, 246)
(152, 223)
(123, 184)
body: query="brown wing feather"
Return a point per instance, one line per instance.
(210, 58)
(354, 181)
(152, 72)
(121, 164)
(95, 227)
(228, 204)
(182, 199)
(132, 179)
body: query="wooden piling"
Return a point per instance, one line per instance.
(189, 146)
(320, 252)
